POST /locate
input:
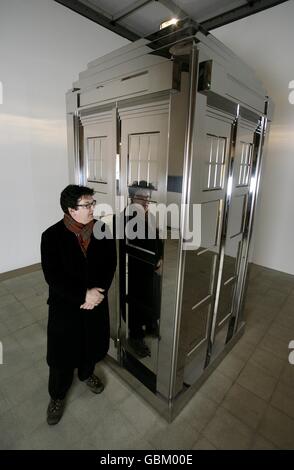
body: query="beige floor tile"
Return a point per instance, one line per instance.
(259, 317)
(243, 349)
(40, 312)
(290, 300)
(225, 431)
(4, 404)
(22, 444)
(287, 376)
(113, 431)
(258, 286)
(7, 299)
(278, 428)
(19, 319)
(84, 444)
(260, 443)
(285, 317)
(22, 386)
(275, 346)
(254, 270)
(244, 405)
(62, 436)
(41, 288)
(4, 331)
(15, 359)
(10, 431)
(3, 290)
(285, 285)
(286, 322)
(231, 366)
(90, 410)
(254, 333)
(173, 436)
(88, 443)
(281, 332)
(138, 444)
(34, 301)
(42, 369)
(203, 444)
(31, 413)
(43, 323)
(140, 415)
(273, 300)
(272, 365)
(198, 411)
(10, 309)
(283, 399)
(272, 274)
(24, 292)
(256, 380)
(32, 340)
(216, 387)
(116, 389)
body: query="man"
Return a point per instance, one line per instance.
(144, 265)
(79, 270)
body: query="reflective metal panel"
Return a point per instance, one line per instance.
(144, 144)
(199, 278)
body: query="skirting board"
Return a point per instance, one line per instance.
(20, 271)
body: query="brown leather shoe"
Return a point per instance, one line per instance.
(55, 411)
(95, 384)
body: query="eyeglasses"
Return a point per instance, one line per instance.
(89, 205)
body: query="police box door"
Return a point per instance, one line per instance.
(144, 144)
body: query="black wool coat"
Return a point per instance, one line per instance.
(76, 336)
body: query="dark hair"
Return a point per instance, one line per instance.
(139, 185)
(71, 194)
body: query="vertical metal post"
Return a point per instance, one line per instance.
(223, 235)
(184, 212)
(253, 193)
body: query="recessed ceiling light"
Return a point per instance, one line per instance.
(167, 23)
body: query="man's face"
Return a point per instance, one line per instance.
(143, 201)
(84, 211)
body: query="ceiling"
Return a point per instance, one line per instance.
(134, 19)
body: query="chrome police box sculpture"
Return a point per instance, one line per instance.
(172, 120)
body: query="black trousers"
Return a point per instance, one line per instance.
(60, 380)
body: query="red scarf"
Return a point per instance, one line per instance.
(83, 232)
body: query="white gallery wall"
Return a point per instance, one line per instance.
(43, 47)
(265, 41)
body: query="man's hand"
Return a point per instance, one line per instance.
(93, 298)
(88, 306)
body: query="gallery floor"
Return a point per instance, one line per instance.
(247, 403)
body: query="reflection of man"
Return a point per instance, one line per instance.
(144, 280)
(79, 270)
